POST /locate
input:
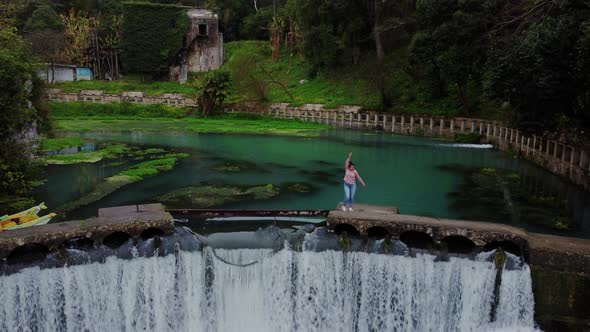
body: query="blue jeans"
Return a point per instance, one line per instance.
(349, 191)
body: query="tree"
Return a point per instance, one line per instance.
(450, 47)
(78, 30)
(539, 63)
(333, 30)
(211, 90)
(9, 10)
(19, 120)
(43, 18)
(45, 33)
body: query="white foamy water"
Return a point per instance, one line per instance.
(286, 291)
(465, 145)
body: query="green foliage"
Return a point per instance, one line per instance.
(249, 62)
(18, 89)
(332, 30)
(43, 18)
(211, 90)
(232, 15)
(546, 77)
(443, 51)
(152, 36)
(255, 26)
(77, 109)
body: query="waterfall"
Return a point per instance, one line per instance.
(285, 291)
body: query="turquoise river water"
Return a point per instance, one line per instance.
(419, 176)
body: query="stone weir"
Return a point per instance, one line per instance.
(112, 226)
(557, 253)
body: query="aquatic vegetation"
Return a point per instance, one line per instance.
(106, 152)
(235, 166)
(208, 196)
(134, 174)
(501, 195)
(50, 144)
(111, 151)
(74, 158)
(153, 150)
(299, 187)
(150, 168)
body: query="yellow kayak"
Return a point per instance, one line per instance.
(32, 222)
(26, 214)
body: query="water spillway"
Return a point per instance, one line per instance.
(284, 290)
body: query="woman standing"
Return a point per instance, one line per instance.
(350, 177)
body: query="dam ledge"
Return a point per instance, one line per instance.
(557, 253)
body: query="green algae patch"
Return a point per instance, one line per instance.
(216, 195)
(51, 144)
(150, 168)
(113, 183)
(74, 158)
(108, 152)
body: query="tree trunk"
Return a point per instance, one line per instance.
(377, 30)
(116, 66)
(463, 96)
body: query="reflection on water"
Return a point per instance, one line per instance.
(406, 172)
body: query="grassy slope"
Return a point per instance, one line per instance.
(332, 89)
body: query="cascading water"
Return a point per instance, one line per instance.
(285, 290)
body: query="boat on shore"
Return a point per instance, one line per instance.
(26, 218)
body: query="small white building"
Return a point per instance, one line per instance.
(65, 73)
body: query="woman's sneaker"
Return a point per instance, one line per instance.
(350, 209)
(343, 208)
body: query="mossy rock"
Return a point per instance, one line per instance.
(216, 195)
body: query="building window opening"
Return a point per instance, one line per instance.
(203, 30)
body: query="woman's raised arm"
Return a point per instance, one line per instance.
(347, 162)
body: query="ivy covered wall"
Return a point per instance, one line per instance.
(152, 36)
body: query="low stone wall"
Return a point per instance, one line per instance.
(133, 97)
(558, 157)
(557, 253)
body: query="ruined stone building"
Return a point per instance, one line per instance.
(202, 46)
